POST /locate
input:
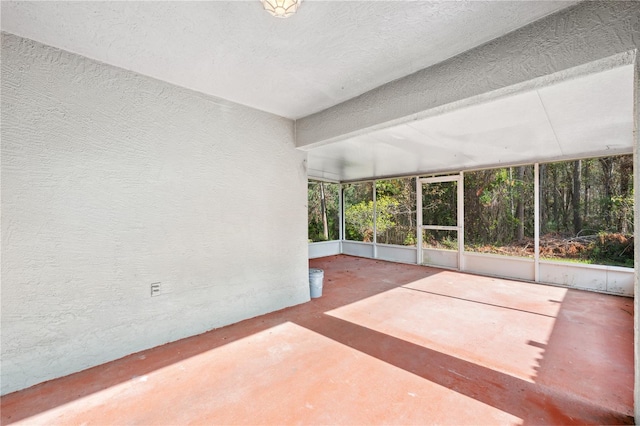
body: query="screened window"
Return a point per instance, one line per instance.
(324, 211)
(499, 211)
(358, 211)
(396, 211)
(586, 210)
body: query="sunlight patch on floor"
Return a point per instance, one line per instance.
(277, 376)
(490, 323)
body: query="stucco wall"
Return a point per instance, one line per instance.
(112, 181)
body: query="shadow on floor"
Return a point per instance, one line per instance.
(349, 283)
(531, 402)
(589, 354)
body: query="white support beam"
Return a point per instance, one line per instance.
(461, 222)
(375, 214)
(341, 218)
(436, 179)
(441, 227)
(418, 220)
(536, 221)
(636, 232)
(584, 39)
(341, 209)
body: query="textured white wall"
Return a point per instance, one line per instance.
(112, 181)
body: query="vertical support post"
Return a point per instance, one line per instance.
(375, 214)
(418, 221)
(636, 233)
(341, 218)
(461, 222)
(536, 222)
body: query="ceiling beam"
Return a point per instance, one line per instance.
(589, 37)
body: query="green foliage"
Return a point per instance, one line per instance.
(622, 211)
(332, 204)
(401, 211)
(410, 239)
(498, 206)
(578, 199)
(359, 218)
(612, 249)
(439, 204)
(445, 240)
(392, 187)
(603, 200)
(395, 205)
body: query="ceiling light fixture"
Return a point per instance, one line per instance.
(281, 8)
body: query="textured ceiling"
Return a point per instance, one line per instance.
(330, 51)
(587, 116)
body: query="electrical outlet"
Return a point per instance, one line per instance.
(156, 289)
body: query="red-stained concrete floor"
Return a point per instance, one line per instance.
(385, 344)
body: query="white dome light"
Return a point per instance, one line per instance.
(281, 8)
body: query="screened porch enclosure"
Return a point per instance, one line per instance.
(142, 262)
(535, 186)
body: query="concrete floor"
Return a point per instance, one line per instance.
(385, 344)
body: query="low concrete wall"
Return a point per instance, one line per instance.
(324, 248)
(605, 279)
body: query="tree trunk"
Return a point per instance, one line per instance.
(544, 205)
(607, 174)
(556, 199)
(511, 204)
(626, 168)
(587, 186)
(575, 201)
(520, 203)
(323, 207)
